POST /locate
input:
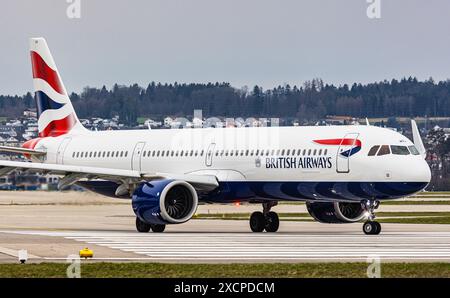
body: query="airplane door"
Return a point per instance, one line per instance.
(61, 149)
(136, 158)
(344, 152)
(209, 154)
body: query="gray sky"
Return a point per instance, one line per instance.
(244, 42)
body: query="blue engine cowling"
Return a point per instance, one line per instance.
(336, 212)
(165, 202)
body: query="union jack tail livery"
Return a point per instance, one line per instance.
(56, 115)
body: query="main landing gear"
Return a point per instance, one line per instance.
(143, 227)
(371, 227)
(266, 220)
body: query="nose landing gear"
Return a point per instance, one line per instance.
(371, 227)
(143, 227)
(266, 220)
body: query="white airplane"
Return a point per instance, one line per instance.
(341, 172)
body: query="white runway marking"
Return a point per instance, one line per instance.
(198, 247)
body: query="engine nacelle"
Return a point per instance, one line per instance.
(165, 202)
(337, 212)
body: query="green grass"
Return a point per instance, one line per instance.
(308, 270)
(408, 202)
(437, 220)
(386, 217)
(437, 202)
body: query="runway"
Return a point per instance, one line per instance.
(51, 226)
(248, 247)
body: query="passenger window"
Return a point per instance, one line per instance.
(373, 150)
(320, 152)
(384, 150)
(325, 152)
(399, 150)
(413, 150)
(145, 152)
(314, 152)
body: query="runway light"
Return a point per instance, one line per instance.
(86, 253)
(23, 256)
(237, 204)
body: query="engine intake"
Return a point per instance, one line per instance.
(336, 212)
(165, 202)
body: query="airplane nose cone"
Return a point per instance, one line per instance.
(425, 172)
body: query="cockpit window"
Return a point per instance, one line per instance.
(373, 150)
(413, 150)
(384, 150)
(399, 150)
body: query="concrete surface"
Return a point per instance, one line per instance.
(50, 226)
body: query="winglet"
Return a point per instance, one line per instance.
(367, 121)
(417, 140)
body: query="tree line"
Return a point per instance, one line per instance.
(313, 100)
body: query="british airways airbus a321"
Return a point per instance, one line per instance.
(341, 172)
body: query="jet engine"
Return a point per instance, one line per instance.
(336, 212)
(165, 202)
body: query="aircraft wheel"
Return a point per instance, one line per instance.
(272, 222)
(158, 228)
(371, 228)
(257, 222)
(141, 226)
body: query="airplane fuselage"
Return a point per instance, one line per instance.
(326, 163)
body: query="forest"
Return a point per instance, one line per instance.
(313, 100)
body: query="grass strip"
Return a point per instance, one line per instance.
(148, 270)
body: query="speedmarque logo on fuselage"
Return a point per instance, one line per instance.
(298, 163)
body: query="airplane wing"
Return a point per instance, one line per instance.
(72, 174)
(22, 150)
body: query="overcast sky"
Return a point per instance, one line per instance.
(244, 42)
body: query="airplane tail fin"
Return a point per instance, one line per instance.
(56, 115)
